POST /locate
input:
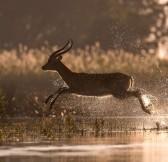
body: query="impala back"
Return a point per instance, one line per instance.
(100, 83)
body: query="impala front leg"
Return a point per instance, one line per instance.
(59, 92)
(51, 96)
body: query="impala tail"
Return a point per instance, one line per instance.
(131, 83)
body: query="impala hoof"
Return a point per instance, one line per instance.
(147, 106)
(50, 107)
(161, 125)
(148, 109)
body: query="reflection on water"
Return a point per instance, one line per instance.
(120, 146)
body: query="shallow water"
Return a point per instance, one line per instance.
(118, 146)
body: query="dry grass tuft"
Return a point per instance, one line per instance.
(90, 59)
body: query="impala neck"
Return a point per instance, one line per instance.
(64, 72)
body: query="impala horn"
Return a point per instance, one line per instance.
(54, 53)
(60, 51)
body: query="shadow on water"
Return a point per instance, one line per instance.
(118, 146)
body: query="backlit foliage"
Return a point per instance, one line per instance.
(90, 59)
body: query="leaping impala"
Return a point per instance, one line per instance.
(116, 84)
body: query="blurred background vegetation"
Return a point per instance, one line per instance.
(109, 35)
(126, 24)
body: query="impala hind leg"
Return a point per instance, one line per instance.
(145, 102)
(59, 92)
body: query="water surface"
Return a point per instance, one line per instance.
(140, 146)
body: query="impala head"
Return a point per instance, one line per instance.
(55, 57)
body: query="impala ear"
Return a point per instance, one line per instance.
(60, 57)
